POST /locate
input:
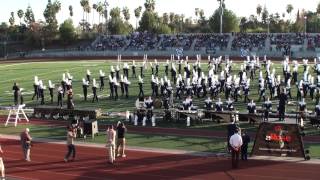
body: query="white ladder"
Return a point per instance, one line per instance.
(14, 114)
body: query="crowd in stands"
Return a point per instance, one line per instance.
(212, 41)
(249, 41)
(176, 41)
(283, 41)
(111, 43)
(143, 41)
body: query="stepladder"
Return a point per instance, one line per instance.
(16, 113)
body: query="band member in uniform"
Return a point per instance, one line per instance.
(133, 68)
(229, 104)
(118, 72)
(126, 70)
(246, 91)
(302, 110)
(70, 104)
(111, 86)
(51, 87)
(208, 104)
(141, 94)
(142, 66)
(316, 121)
(122, 85)
(60, 96)
(115, 86)
(41, 91)
(267, 109)
(262, 90)
(94, 90)
(157, 67)
(219, 105)
(187, 103)
(88, 75)
(282, 105)
(102, 75)
(251, 110)
(126, 86)
(166, 68)
(85, 85)
(16, 92)
(112, 72)
(36, 88)
(148, 104)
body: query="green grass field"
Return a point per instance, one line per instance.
(24, 73)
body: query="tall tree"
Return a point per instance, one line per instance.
(67, 32)
(50, 13)
(264, 15)
(70, 10)
(165, 18)
(259, 10)
(126, 13)
(230, 21)
(137, 14)
(289, 9)
(94, 7)
(12, 19)
(318, 8)
(20, 14)
(84, 4)
(150, 5)
(29, 16)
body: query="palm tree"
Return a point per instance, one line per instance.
(11, 19)
(126, 13)
(137, 14)
(289, 9)
(150, 5)
(259, 10)
(94, 6)
(100, 10)
(20, 14)
(71, 10)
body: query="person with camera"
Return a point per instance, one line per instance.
(121, 141)
(25, 139)
(71, 136)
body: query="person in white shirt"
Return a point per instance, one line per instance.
(1, 165)
(111, 139)
(71, 136)
(235, 143)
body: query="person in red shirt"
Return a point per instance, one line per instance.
(25, 139)
(1, 164)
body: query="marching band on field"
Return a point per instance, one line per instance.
(190, 80)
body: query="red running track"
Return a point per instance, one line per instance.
(91, 164)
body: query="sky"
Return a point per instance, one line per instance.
(240, 7)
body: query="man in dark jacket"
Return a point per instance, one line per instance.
(244, 147)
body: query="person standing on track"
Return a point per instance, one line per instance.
(121, 141)
(2, 170)
(111, 138)
(235, 143)
(71, 136)
(25, 139)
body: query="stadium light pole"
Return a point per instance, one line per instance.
(268, 21)
(221, 14)
(305, 25)
(106, 4)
